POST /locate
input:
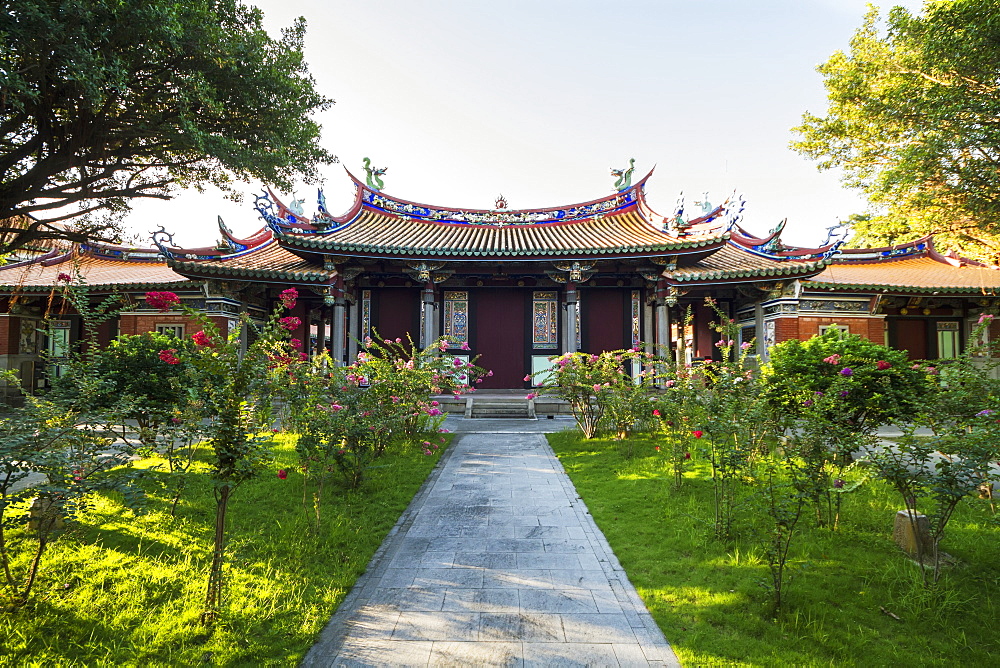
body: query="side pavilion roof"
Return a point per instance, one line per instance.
(913, 267)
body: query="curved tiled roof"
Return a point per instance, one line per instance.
(921, 274)
(268, 261)
(378, 225)
(102, 272)
(623, 234)
(734, 263)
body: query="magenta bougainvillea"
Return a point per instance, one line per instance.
(162, 301)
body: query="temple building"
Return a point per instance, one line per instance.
(513, 286)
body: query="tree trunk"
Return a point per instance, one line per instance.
(213, 598)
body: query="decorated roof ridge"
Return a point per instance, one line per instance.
(737, 262)
(291, 220)
(922, 247)
(748, 238)
(38, 259)
(164, 242)
(678, 225)
(624, 198)
(237, 244)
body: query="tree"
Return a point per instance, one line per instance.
(913, 123)
(102, 101)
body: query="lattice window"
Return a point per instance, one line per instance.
(171, 330)
(456, 318)
(545, 320)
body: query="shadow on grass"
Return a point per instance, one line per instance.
(710, 596)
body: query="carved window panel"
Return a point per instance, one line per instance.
(635, 319)
(366, 315)
(545, 320)
(456, 318)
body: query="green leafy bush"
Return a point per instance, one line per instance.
(885, 384)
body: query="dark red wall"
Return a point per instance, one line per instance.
(398, 313)
(498, 334)
(911, 335)
(602, 320)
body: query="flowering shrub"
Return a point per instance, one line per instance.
(236, 388)
(349, 416)
(145, 368)
(591, 383)
(885, 386)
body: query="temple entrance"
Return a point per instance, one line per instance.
(602, 314)
(498, 335)
(397, 314)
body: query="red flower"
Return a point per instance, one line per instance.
(288, 297)
(883, 365)
(291, 323)
(687, 455)
(64, 278)
(201, 339)
(168, 356)
(698, 433)
(656, 412)
(162, 301)
(657, 448)
(282, 473)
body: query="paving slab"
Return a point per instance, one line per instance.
(496, 562)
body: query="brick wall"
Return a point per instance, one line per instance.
(869, 328)
(138, 323)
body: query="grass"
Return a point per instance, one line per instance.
(126, 589)
(707, 595)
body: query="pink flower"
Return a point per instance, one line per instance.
(832, 359)
(291, 323)
(282, 474)
(428, 452)
(162, 301)
(883, 365)
(64, 277)
(489, 373)
(288, 297)
(597, 388)
(444, 345)
(336, 407)
(594, 358)
(202, 339)
(745, 345)
(983, 318)
(670, 383)
(531, 395)
(295, 343)
(457, 363)
(442, 431)
(465, 345)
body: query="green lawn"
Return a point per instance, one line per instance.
(707, 596)
(126, 590)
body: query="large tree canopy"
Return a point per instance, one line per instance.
(105, 100)
(914, 122)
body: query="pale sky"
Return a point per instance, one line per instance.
(463, 100)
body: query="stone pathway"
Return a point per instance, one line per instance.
(496, 562)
